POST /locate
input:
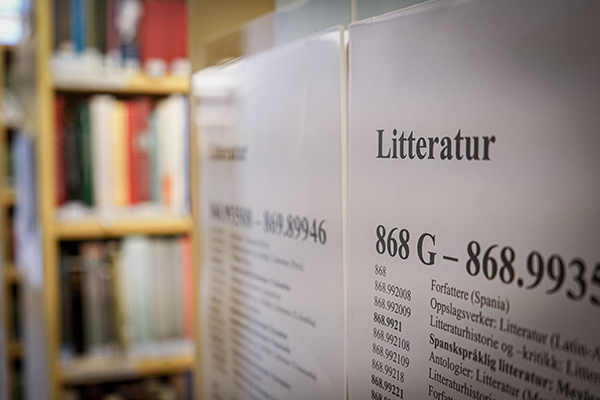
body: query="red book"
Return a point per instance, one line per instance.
(113, 42)
(163, 30)
(140, 150)
(60, 110)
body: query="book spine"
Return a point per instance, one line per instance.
(155, 157)
(171, 160)
(125, 289)
(72, 155)
(84, 129)
(188, 286)
(187, 164)
(76, 285)
(147, 295)
(101, 111)
(113, 43)
(161, 279)
(139, 286)
(99, 20)
(61, 172)
(90, 21)
(66, 301)
(79, 24)
(62, 22)
(119, 144)
(163, 31)
(140, 150)
(92, 296)
(178, 149)
(130, 11)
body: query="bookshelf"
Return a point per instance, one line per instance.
(11, 277)
(67, 373)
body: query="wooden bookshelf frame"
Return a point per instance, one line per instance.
(136, 85)
(95, 229)
(8, 197)
(11, 274)
(15, 350)
(89, 371)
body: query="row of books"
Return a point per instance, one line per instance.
(125, 30)
(174, 387)
(119, 153)
(129, 297)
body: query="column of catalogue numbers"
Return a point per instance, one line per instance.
(272, 284)
(474, 266)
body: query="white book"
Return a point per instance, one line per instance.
(177, 291)
(101, 109)
(162, 278)
(135, 267)
(172, 146)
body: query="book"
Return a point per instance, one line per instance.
(171, 138)
(97, 25)
(72, 335)
(188, 286)
(101, 111)
(140, 150)
(163, 31)
(129, 13)
(162, 297)
(85, 153)
(113, 43)
(67, 300)
(62, 23)
(60, 105)
(120, 156)
(79, 24)
(137, 277)
(177, 287)
(95, 323)
(154, 143)
(72, 154)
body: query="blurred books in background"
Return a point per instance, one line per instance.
(122, 155)
(106, 41)
(128, 298)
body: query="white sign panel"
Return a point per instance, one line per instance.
(272, 284)
(474, 222)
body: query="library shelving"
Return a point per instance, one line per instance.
(10, 277)
(105, 226)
